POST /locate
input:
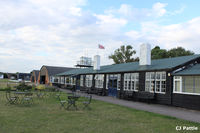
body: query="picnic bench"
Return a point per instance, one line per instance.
(146, 96)
(128, 95)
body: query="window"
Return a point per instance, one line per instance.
(131, 81)
(177, 84)
(88, 80)
(99, 79)
(62, 80)
(187, 84)
(155, 80)
(51, 79)
(67, 80)
(149, 82)
(72, 81)
(118, 81)
(160, 83)
(81, 80)
(55, 79)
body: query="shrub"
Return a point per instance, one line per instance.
(40, 87)
(50, 88)
(22, 86)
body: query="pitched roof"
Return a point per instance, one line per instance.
(193, 70)
(53, 70)
(159, 64)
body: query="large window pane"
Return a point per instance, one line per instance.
(188, 84)
(177, 86)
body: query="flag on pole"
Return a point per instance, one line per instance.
(101, 46)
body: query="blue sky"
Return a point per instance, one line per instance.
(57, 32)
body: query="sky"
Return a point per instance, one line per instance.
(58, 32)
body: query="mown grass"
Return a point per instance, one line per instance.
(4, 83)
(45, 116)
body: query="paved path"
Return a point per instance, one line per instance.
(185, 114)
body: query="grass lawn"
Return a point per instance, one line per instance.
(5, 82)
(45, 116)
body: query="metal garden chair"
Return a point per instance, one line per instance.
(28, 98)
(62, 102)
(11, 99)
(87, 101)
(58, 93)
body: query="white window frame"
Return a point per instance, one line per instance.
(160, 80)
(88, 80)
(81, 80)
(181, 90)
(51, 79)
(67, 79)
(99, 80)
(177, 79)
(150, 80)
(62, 80)
(55, 78)
(132, 78)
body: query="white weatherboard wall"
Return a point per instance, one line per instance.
(145, 54)
(97, 62)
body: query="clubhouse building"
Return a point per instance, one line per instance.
(169, 81)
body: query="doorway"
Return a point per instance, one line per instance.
(112, 85)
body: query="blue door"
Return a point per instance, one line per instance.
(77, 82)
(112, 86)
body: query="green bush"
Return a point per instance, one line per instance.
(22, 87)
(50, 88)
(8, 88)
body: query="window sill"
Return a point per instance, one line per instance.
(157, 92)
(187, 93)
(161, 92)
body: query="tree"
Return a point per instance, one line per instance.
(179, 51)
(157, 53)
(123, 55)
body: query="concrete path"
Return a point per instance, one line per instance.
(185, 114)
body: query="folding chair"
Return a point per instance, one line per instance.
(11, 99)
(87, 101)
(62, 102)
(28, 98)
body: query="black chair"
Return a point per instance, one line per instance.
(87, 101)
(28, 98)
(58, 94)
(62, 102)
(11, 99)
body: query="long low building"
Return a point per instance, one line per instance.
(170, 81)
(47, 73)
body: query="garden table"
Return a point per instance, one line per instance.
(72, 101)
(23, 95)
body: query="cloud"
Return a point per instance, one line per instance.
(139, 14)
(53, 32)
(50, 32)
(183, 34)
(158, 9)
